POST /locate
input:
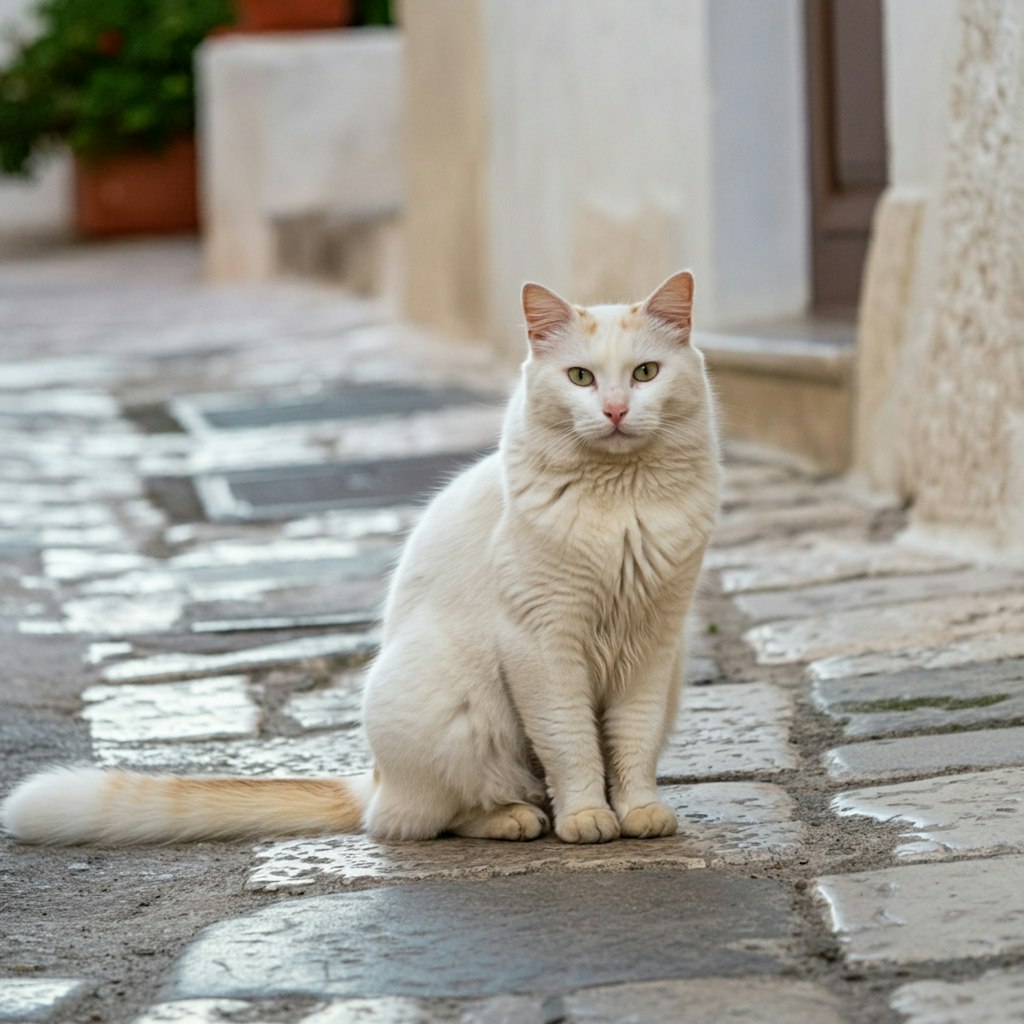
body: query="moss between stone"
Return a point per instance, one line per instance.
(871, 707)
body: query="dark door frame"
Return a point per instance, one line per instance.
(840, 213)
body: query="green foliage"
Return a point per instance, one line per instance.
(374, 12)
(104, 76)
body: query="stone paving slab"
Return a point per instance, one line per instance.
(111, 616)
(535, 936)
(503, 1009)
(318, 754)
(745, 525)
(356, 646)
(971, 651)
(997, 997)
(917, 701)
(787, 492)
(719, 824)
(925, 755)
(730, 729)
(878, 630)
(338, 706)
(815, 558)
(976, 814)
(206, 1011)
(39, 999)
(867, 593)
(198, 709)
(701, 1001)
(921, 912)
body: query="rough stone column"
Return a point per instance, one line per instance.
(942, 420)
(963, 379)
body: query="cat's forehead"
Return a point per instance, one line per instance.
(618, 316)
(611, 331)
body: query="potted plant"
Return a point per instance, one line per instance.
(297, 15)
(112, 79)
(290, 15)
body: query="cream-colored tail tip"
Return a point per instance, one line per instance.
(52, 806)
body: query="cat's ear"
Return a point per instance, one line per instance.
(546, 314)
(672, 303)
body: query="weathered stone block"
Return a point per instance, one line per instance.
(463, 939)
(925, 755)
(918, 700)
(927, 912)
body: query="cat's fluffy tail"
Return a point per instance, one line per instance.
(117, 808)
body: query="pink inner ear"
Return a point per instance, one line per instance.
(545, 311)
(673, 301)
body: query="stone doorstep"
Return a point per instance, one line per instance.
(795, 395)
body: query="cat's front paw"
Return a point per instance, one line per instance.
(649, 821)
(591, 825)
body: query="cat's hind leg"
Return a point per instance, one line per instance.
(509, 821)
(403, 808)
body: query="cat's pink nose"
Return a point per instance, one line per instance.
(616, 411)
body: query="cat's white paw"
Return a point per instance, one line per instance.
(649, 821)
(591, 825)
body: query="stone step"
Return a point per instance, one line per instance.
(793, 393)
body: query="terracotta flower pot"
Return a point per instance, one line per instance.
(138, 193)
(291, 15)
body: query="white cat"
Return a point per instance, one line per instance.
(532, 651)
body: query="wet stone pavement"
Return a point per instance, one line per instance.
(201, 492)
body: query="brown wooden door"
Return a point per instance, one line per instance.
(846, 113)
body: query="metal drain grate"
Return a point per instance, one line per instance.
(203, 413)
(285, 492)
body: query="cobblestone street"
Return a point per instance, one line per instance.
(201, 493)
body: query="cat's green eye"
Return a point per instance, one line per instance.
(584, 378)
(646, 371)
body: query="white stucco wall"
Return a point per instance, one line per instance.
(917, 39)
(620, 142)
(759, 187)
(40, 205)
(291, 125)
(599, 148)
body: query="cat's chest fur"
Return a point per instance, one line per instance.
(608, 556)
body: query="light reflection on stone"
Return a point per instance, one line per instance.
(213, 708)
(321, 754)
(163, 666)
